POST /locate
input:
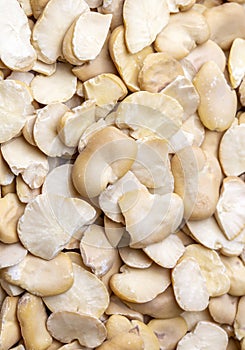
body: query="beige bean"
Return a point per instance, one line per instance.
(223, 308)
(9, 325)
(232, 221)
(169, 331)
(235, 66)
(208, 51)
(205, 335)
(192, 318)
(130, 284)
(163, 306)
(87, 295)
(94, 248)
(223, 28)
(189, 28)
(67, 326)
(145, 30)
(212, 268)
(216, 98)
(32, 316)
(87, 162)
(236, 272)
(182, 89)
(134, 257)
(50, 278)
(187, 278)
(197, 177)
(117, 324)
(158, 70)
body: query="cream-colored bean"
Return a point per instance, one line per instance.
(232, 221)
(141, 33)
(212, 268)
(184, 92)
(119, 161)
(67, 326)
(163, 306)
(134, 257)
(117, 324)
(205, 335)
(189, 28)
(9, 326)
(216, 98)
(32, 317)
(95, 248)
(169, 331)
(235, 65)
(158, 70)
(236, 272)
(223, 308)
(223, 28)
(172, 247)
(50, 278)
(87, 295)
(130, 283)
(231, 151)
(11, 254)
(76, 46)
(96, 89)
(197, 176)
(208, 51)
(193, 317)
(187, 278)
